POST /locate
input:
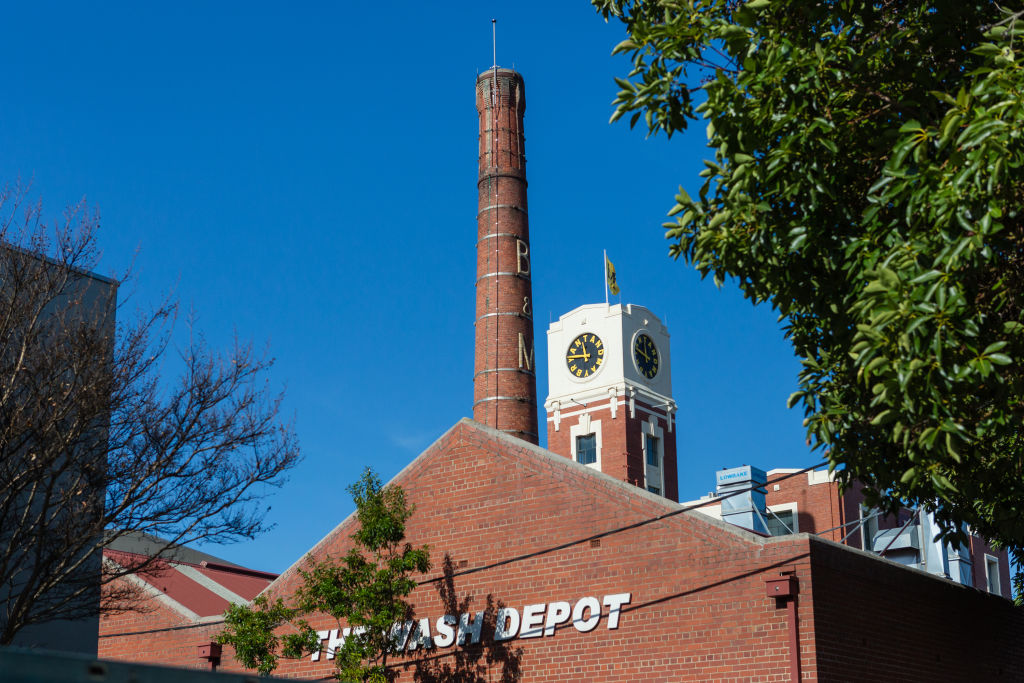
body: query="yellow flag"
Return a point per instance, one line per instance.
(609, 269)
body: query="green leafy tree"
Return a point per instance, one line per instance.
(866, 183)
(365, 590)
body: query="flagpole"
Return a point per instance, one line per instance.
(604, 273)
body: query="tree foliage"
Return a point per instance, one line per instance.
(364, 591)
(867, 183)
(95, 443)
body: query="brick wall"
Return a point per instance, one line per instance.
(877, 620)
(698, 607)
(161, 636)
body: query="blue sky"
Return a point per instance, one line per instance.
(305, 176)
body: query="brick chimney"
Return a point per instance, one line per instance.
(504, 380)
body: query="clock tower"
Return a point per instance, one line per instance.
(610, 394)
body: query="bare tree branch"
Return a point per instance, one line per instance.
(96, 442)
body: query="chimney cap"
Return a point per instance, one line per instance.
(487, 74)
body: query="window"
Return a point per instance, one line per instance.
(992, 575)
(780, 522)
(586, 449)
(652, 455)
(651, 445)
(585, 441)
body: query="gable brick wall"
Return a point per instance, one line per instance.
(698, 606)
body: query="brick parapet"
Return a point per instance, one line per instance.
(879, 620)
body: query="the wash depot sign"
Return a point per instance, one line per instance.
(533, 621)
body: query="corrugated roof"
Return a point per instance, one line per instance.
(148, 545)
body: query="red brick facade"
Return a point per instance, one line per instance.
(163, 637)
(698, 609)
(504, 379)
(621, 447)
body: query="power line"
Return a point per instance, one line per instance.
(542, 551)
(163, 629)
(611, 532)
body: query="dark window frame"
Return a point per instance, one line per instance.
(590, 449)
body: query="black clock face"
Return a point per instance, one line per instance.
(645, 353)
(585, 355)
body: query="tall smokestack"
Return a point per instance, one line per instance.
(504, 381)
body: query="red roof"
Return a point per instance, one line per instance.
(204, 588)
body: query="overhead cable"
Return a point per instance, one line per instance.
(612, 532)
